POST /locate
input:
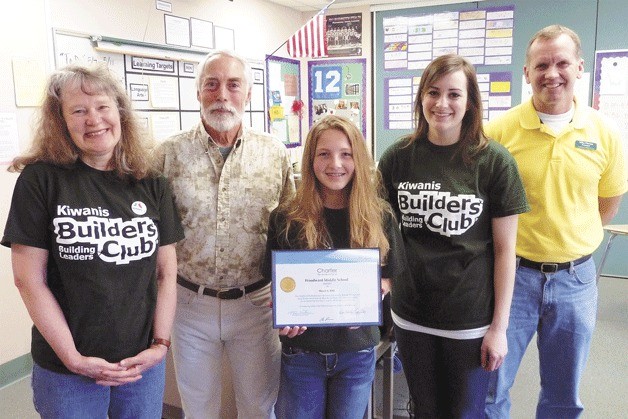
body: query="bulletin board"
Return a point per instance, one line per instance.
(338, 87)
(610, 88)
(160, 80)
(498, 57)
(160, 83)
(283, 90)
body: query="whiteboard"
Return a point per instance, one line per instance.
(72, 49)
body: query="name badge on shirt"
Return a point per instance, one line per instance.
(586, 145)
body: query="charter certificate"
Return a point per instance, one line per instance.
(338, 287)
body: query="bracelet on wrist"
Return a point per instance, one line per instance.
(160, 341)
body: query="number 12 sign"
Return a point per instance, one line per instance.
(326, 83)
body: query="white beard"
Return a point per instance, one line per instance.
(221, 122)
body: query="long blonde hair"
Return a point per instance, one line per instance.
(52, 142)
(367, 209)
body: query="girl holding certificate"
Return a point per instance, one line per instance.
(457, 196)
(327, 372)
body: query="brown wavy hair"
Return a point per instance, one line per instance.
(367, 209)
(472, 137)
(52, 142)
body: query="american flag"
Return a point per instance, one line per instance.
(311, 39)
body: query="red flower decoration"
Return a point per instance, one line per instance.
(297, 108)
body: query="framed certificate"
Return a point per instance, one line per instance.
(316, 288)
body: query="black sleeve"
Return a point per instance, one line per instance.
(397, 264)
(507, 193)
(170, 229)
(385, 168)
(29, 219)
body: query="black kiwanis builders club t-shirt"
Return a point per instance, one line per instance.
(102, 234)
(445, 209)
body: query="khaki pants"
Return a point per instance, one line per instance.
(204, 328)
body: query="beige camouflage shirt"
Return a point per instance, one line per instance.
(225, 204)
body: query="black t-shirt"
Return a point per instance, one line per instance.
(445, 209)
(336, 339)
(102, 234)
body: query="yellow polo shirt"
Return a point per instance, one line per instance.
(563, 174)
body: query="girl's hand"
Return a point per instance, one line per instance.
(494, 349)
(386, 286)
(292, 331)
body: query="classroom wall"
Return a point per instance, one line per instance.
(27, 32)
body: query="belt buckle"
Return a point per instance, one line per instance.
(549, 268)
(229, 293)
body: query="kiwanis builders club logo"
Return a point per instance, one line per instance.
(437, 211)
(83, 233)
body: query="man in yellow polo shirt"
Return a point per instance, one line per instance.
(573, 169)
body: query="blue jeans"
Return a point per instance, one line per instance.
(444, 376)
(561, 308)
(71, 396)
(325, 386)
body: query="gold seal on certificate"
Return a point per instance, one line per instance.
(331, 287)
(287, 284)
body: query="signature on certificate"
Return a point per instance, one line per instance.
(300, 313)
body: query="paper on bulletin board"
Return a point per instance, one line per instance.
(9, 140)
(164, 124)
(294, 131)
(164, 92)
(276, 112)
(279, 129)
(29, 81)
(610, 89)
(291, 86)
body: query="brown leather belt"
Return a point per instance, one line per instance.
(223, 293)
(552, 267)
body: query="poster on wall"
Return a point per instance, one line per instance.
(283, 87)
(344, 35)
(483, 36)
(610, 88)
(338, 88)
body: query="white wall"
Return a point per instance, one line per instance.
(24, 35)
(25, 30)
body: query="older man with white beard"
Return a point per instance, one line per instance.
(226, 180)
